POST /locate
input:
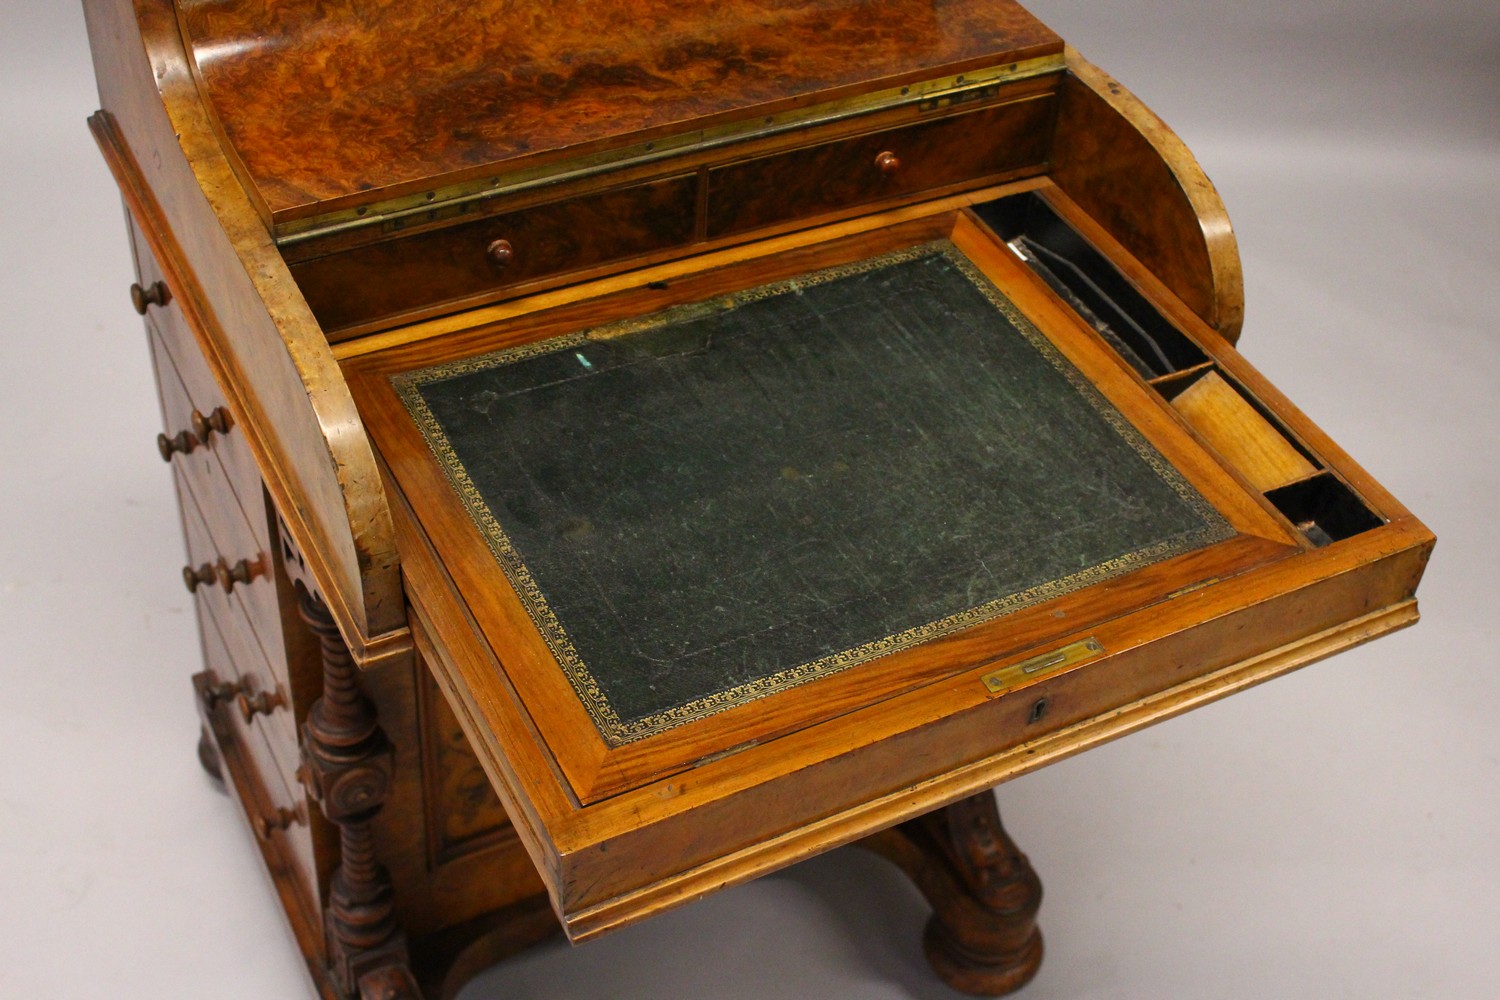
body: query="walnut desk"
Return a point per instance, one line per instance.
(628, 449)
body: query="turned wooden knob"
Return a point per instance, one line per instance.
(281, 819)
(500, 253)
(195, 578)
(264, 703)
(216, 422)
(180, 443)
(887, 162)
(144, 298)
(216, 692)
(228, 576)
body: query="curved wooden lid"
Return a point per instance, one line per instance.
(332, 103)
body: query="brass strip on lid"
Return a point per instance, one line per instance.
(999, 681)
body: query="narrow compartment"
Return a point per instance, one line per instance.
(1233, 427)
(1324, 509)
(1087, 281)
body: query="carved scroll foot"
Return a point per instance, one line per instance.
(982, 938)
(347, 763)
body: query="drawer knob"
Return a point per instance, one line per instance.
(264, 703)
(282, 819)
(192, 578)
(144, 298)
(181, 443)
(887, 162)
(216, 692)
(500, 253)
(230, 576)
(216, 422)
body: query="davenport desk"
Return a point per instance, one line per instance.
(627, 448)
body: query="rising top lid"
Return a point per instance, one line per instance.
(330, 104)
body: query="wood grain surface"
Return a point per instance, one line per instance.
(324, 99)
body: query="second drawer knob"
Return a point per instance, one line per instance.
(260, 703)
(194, 578)
(143, 297)
(230, 577)
(887, 163)
(282, 819)
(216, 422)
(181, 443)
(500, 253)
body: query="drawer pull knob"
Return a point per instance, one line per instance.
(181, 443)
(282, 819)
(230, 576)
(195, 578)
(263, 703)
(216, 422)
(500, 253)
(216, 692)
(887, 163)
(144, 298)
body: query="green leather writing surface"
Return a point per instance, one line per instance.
(710, 504)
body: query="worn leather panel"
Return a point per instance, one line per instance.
(717, 502)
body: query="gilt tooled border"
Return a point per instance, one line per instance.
(616, 731)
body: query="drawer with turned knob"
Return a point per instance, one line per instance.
(229, 575)
(970, 148)
(425, 271)
(201, 434)
(254, 760)
(220, 572)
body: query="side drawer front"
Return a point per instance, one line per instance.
(174, 347)
(284, 816)
(261, 671)
(816, 180)
(454, 263)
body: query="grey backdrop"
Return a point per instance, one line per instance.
(1333, 834)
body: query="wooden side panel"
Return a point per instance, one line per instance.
(452, 853)
(1123, 165)
(266, 350)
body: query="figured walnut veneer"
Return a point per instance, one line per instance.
(319, 107)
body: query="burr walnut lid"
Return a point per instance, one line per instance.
(331, 104)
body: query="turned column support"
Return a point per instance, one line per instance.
(982, 938)
(347, 765)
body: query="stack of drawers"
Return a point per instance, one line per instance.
(261, 669)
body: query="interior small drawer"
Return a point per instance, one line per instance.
(1002, 140)
(428, 269)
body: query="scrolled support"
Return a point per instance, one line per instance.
(982, 938)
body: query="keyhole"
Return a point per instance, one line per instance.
(1038, 710)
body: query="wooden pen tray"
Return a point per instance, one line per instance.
(727, 563)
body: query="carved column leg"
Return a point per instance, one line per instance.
(982, 938)
(348, 762)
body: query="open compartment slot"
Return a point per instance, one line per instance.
(1085, 279)
(1250, 440)
(1324, 509)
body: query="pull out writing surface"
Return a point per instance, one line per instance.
(754, 548)
(729, 498)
